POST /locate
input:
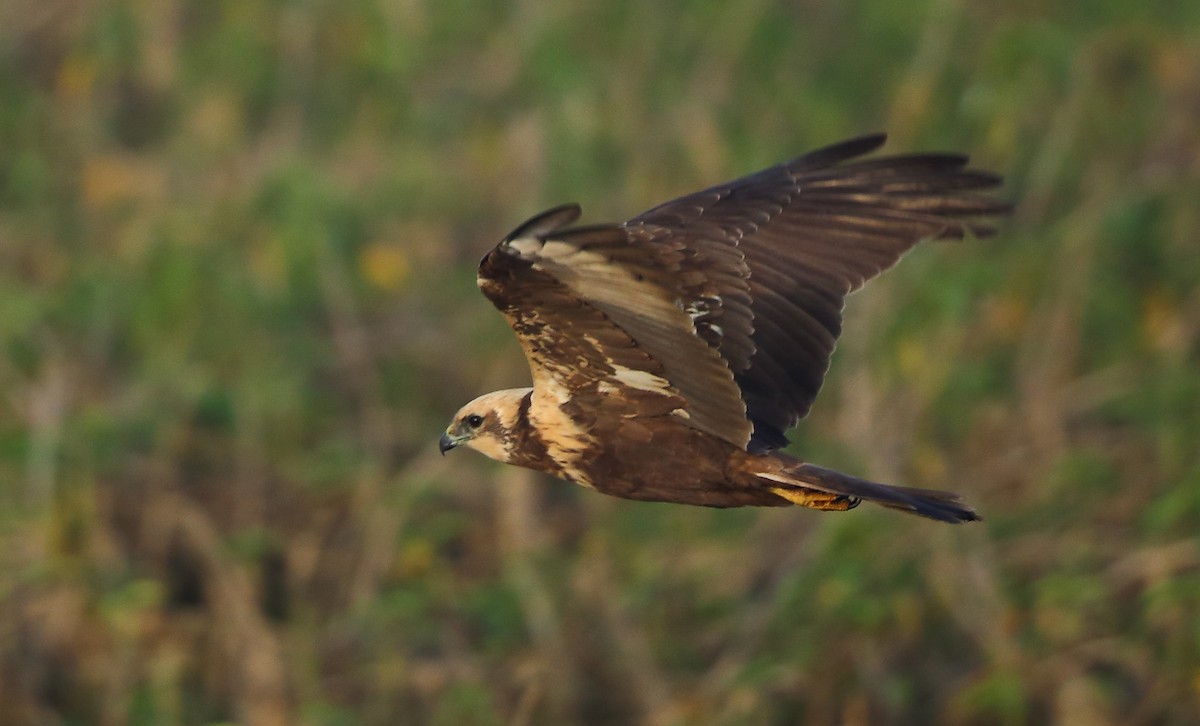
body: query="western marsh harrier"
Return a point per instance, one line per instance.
(671, 353)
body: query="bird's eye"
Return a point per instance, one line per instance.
(474, 420)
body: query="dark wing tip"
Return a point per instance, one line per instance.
(978, 179)
(839, 152)
(547, 222)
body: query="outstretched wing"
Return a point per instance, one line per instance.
(599, 322)
(765, 262)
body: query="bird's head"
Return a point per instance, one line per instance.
(488, 424)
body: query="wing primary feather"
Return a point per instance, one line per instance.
(810, 231)
(839, 152)
(547, 222)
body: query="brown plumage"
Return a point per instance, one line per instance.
(671, 353)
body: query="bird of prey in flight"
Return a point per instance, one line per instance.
(671, 353)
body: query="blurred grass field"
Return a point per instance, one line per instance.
(237, 307)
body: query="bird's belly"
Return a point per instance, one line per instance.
(650, 458)
(660, 459)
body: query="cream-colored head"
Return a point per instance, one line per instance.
(488, 424)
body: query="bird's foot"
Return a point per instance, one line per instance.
(814, 499)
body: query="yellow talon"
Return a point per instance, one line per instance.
(814, 499)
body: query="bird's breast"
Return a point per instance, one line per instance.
(568, 442)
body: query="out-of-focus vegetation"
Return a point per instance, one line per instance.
(237, 307)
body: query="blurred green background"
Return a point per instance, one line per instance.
(237, 307)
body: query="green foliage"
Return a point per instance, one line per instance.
(237, 307)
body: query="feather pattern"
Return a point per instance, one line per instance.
(597, 316)
(723, 306)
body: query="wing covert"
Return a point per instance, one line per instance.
(597, 315)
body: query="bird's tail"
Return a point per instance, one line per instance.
(820, 488)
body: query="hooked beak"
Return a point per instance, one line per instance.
(447, 442)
